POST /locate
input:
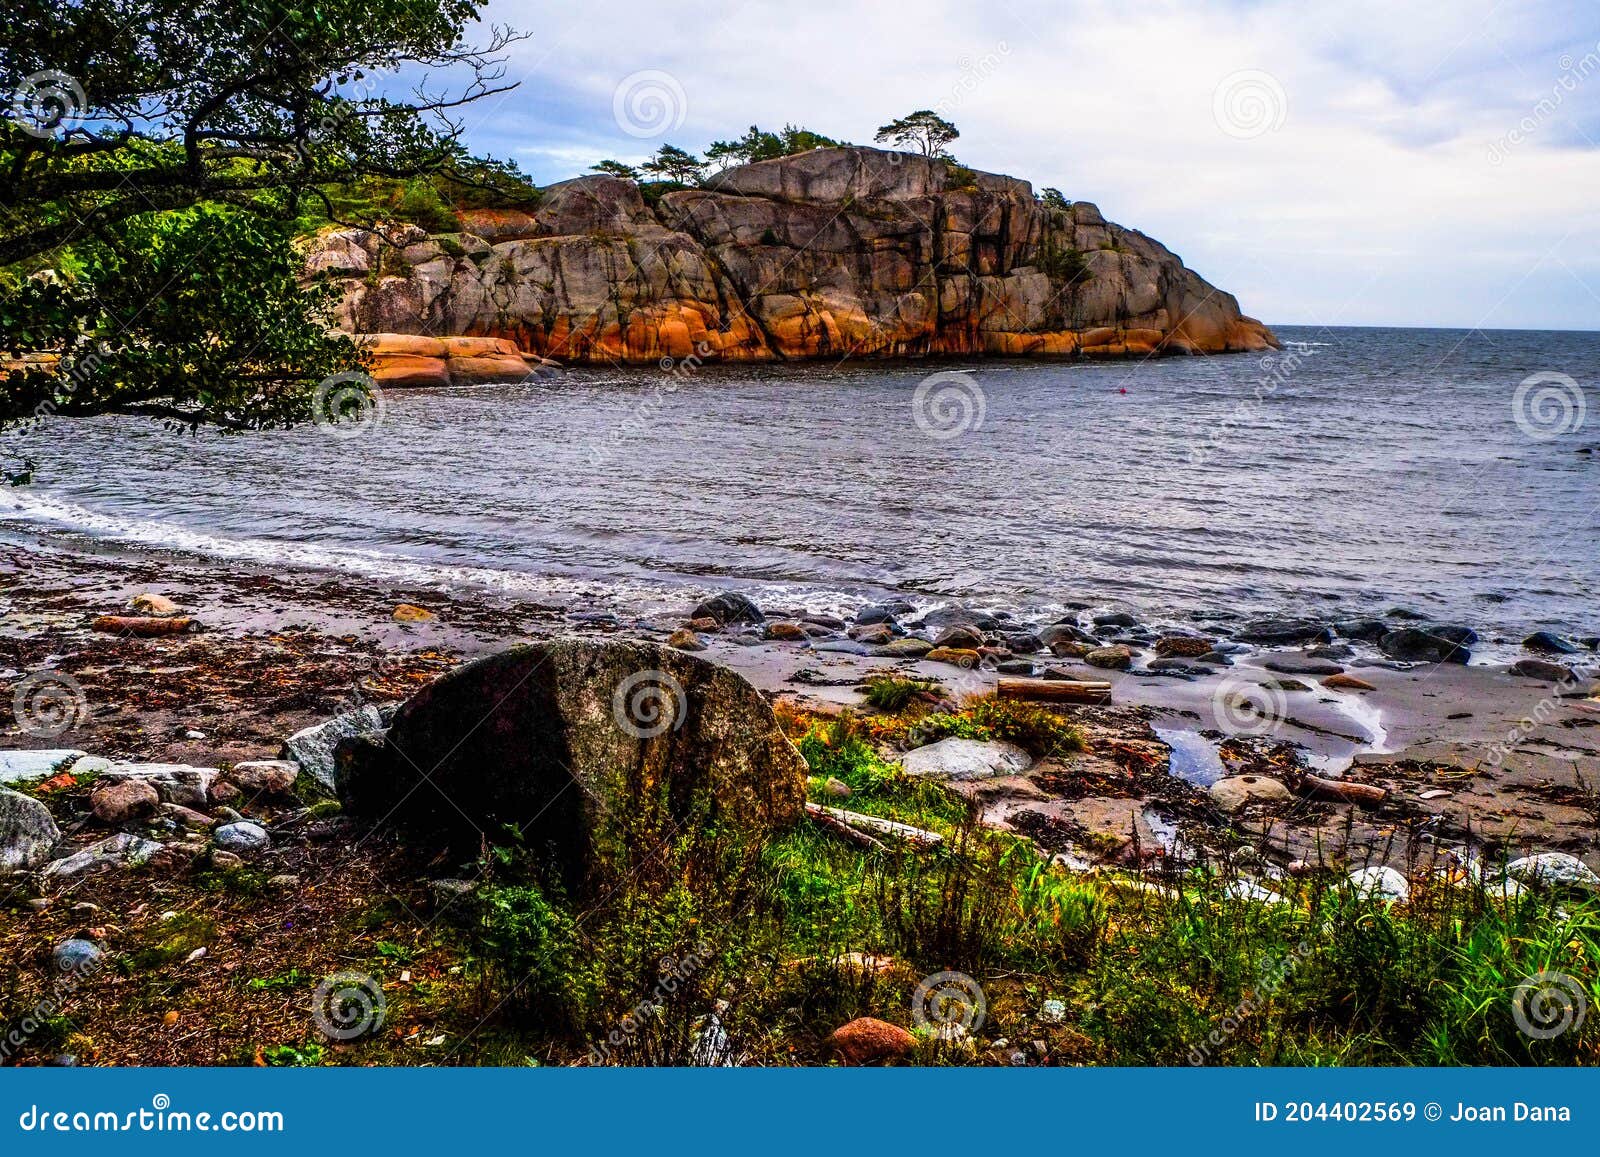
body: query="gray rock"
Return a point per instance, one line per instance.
(1236, 792)
(1550, 643)
(1118, 619)
(1300, 665)
(1015, 667)
(1381, 883)
(966, 759)
(122, 850)
(176, 783)
(1542, 669)
(243, 838)
(873, 614)
(27, 833)
(1363, 630)
(75, 955)
(938, 620)
(594, 749)
(1416, 645)
(1280, 632)
(909, 648)
(17, 766)
(1116, 658)
(264, 776)
(959, 636)
(119, 801)
(842, 647)
(313, 748)
(729, 608)
(1553, 869)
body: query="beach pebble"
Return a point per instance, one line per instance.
(960, 637)
(121, 851)
(1281, 632)
(122, 801)
(1380, 883)
(1553, 868)
(72, 955)
(1115, 658)
(1343, 682)
(729, 608)
(1549, 643)
(1541, 669)
(955, 656)
(785, 632)
(225, 861)
(1182, 646)
(264, 776)
(685, 640)
(966, 759)
(1301, 665)
(411, 613)
(1236, 792)
(243, 838)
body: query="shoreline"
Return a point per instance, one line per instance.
(334, 640)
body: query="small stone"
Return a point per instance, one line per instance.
(75, 955)
(122, 850)
(866, 1040)
(169, 1019)
(1380, 883)
(1182, 646)
(1237, 792)
(243, 838)
(911, 648)
(197, 735)
(1119, 619)
(960, 637)
(1556, 869)
(227, 815)
(283, 880)
(1301, 665)
(685, 640)
(785, 632)
(411, 613)
(120, 802)
(154, 604)
(729, 608)
(1116, 658)
(965, 759)
(1543, 670)
(955, 656)
(186, 817)
(264, 776)
(706, 625)
(837, 788)
(874, 635)
(1550, 643)
(225, 861)
(1053, 1011)
(1435, 793)
(1343, 682)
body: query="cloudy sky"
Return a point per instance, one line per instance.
(1371, 162)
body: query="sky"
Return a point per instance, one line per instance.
(1366, 162)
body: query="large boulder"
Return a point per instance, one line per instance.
(27, 833)
(601, 753)
(1427, 645)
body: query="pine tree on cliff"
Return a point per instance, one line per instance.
(674, 164)
(159, 158)
(925, 131)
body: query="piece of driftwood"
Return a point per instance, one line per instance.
(1055, 690)
(1338, 789)
(142, 625)
(819, 815)
(873, 824)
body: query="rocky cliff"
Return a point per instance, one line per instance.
(827, 254)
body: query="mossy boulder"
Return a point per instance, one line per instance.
(607, 757)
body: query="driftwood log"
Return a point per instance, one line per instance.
(832, 818)
(1055, 690)
(1340, 790)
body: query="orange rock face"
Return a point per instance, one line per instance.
(844, 252)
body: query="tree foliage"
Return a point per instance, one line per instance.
(146, 130)
(674, 164)
(760, 145)
(924, 131)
